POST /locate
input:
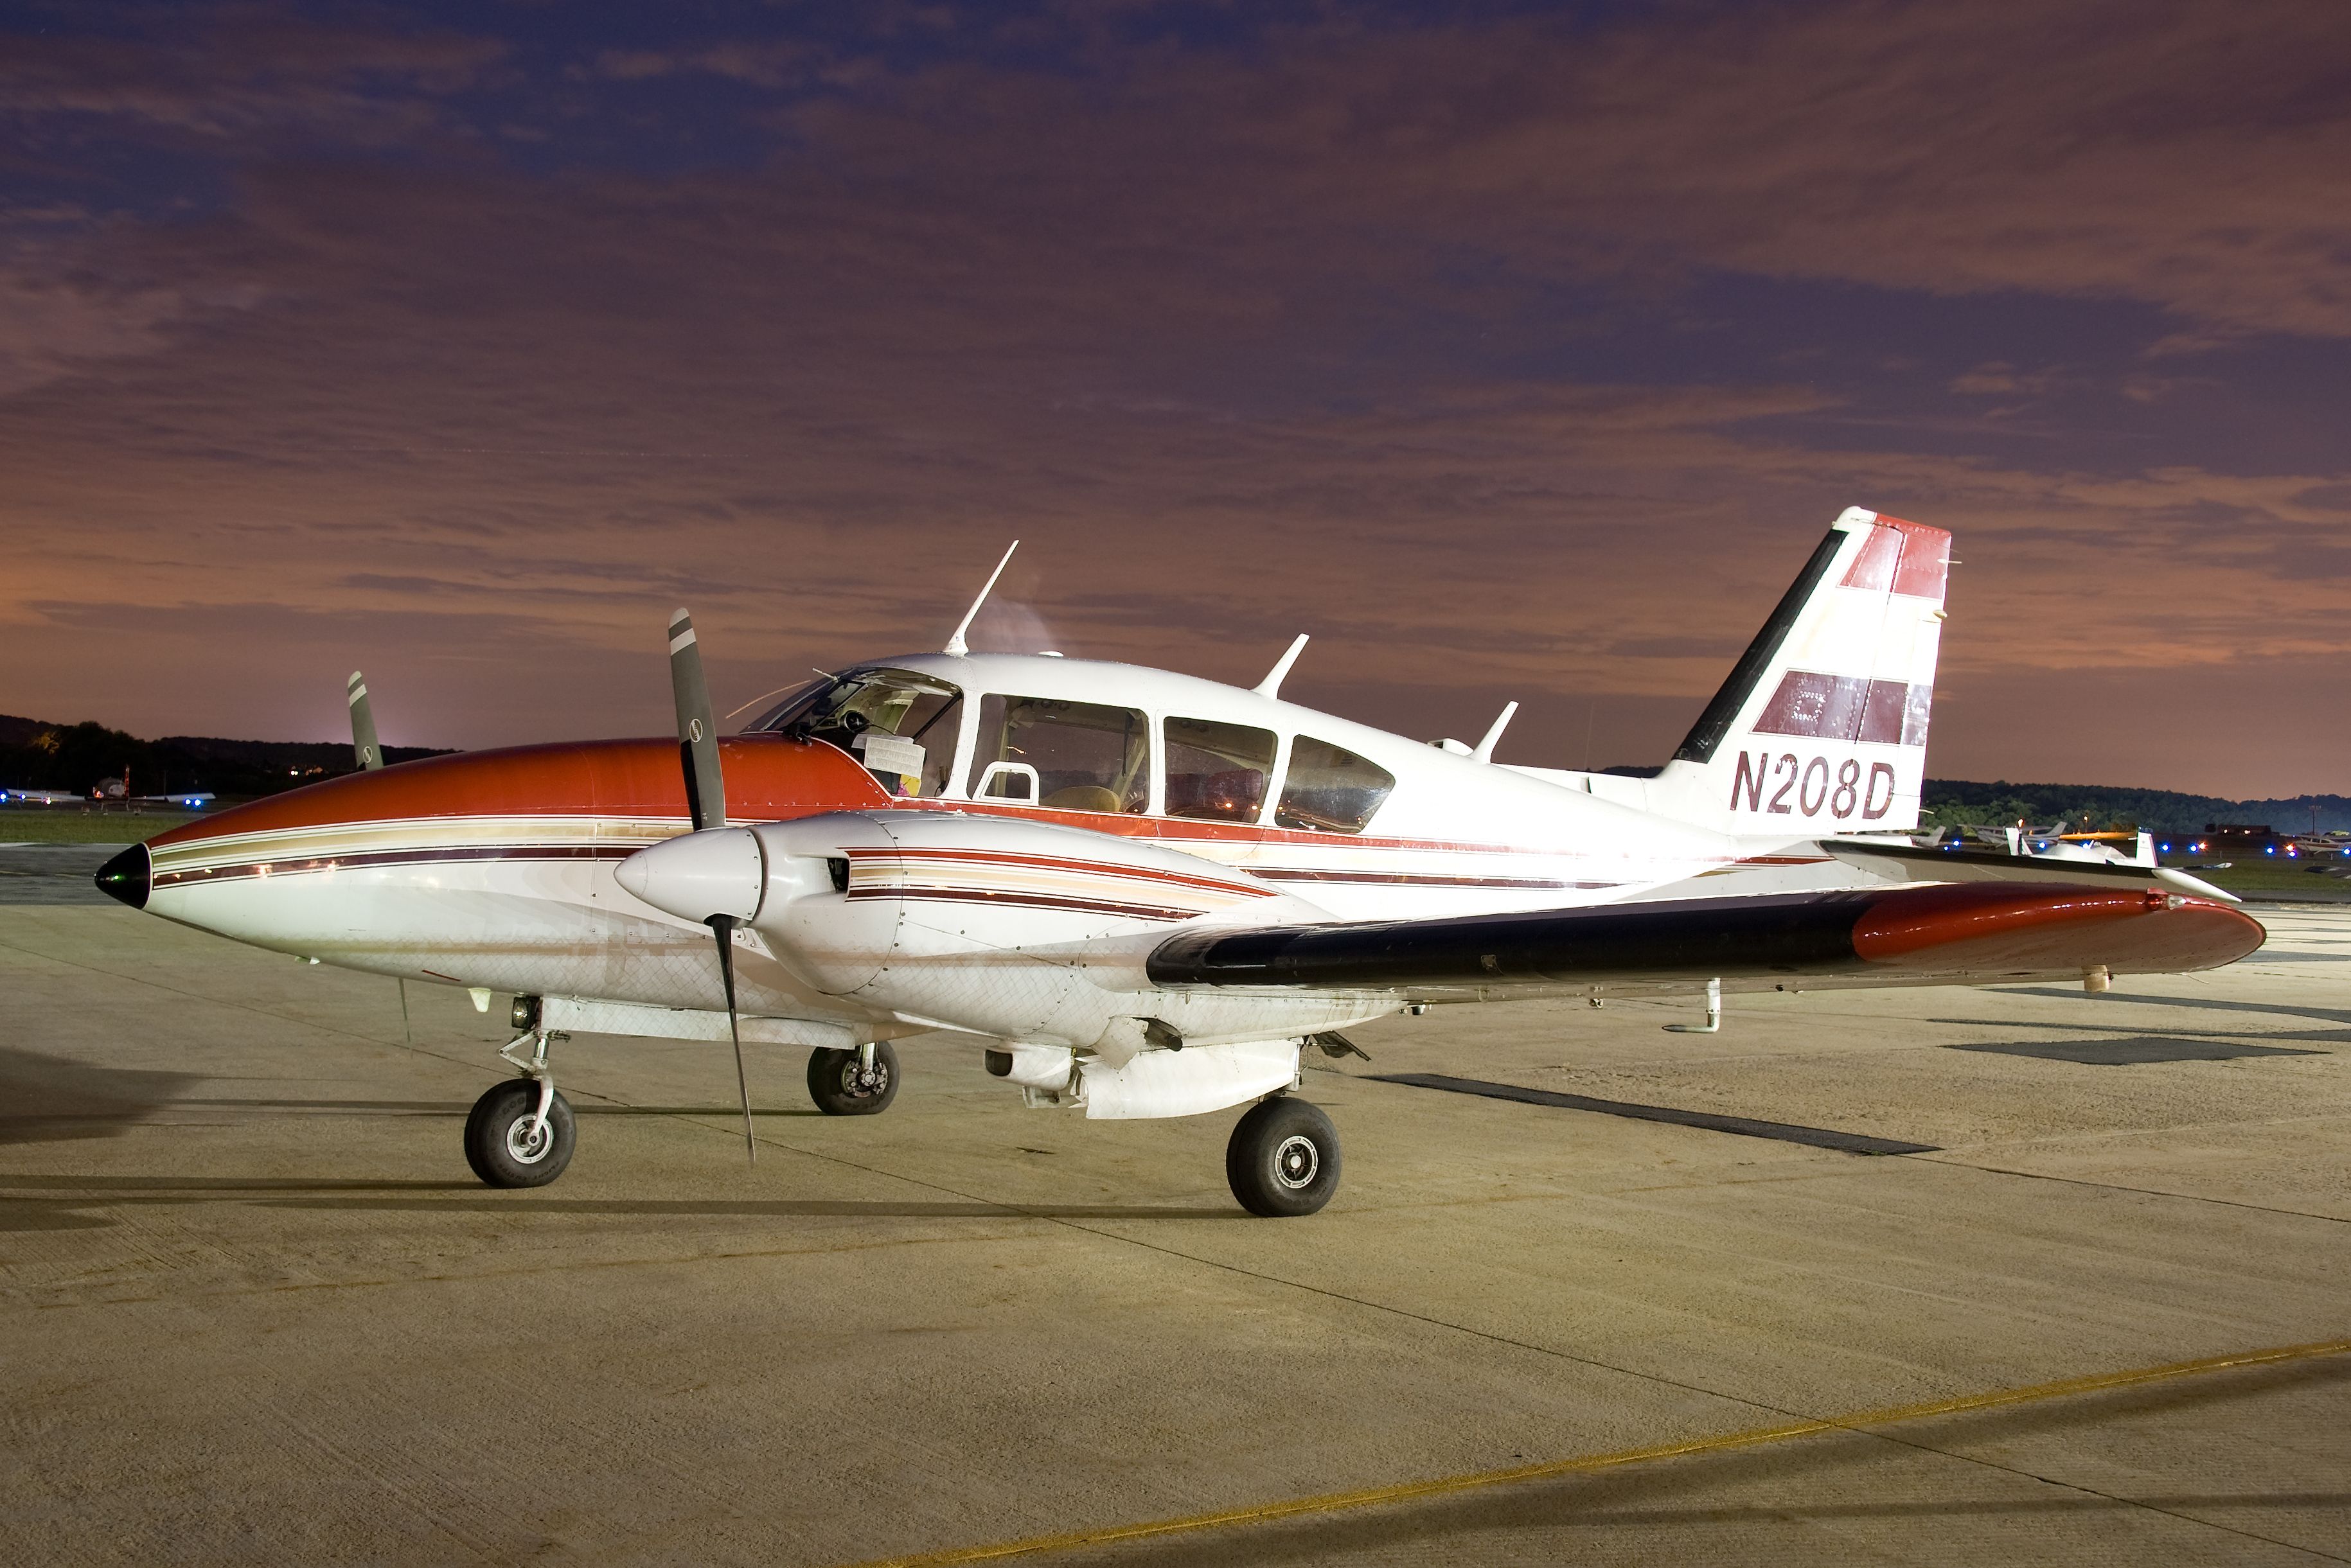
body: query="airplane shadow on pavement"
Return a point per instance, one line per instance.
(45, 1099)
(458, 1108)
(76, 1195)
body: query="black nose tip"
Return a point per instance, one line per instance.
(126, 877)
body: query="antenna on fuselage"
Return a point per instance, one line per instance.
(1485, 750)
(955, 644)
(1271, 685)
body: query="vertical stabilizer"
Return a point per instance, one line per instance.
(1822, 727)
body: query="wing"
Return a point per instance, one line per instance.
(1935, 935)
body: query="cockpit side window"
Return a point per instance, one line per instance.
(1330, 789)
(1217, 772)
(902, 726)
(1073, 757)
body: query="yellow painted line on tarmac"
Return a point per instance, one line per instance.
(1448, 1486)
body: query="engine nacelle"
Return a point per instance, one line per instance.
(1187, 1082)
(1156, 1082)
(1025, 930)
(987, 923)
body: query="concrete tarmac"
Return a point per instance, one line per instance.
(254, 1308)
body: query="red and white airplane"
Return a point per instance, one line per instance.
(1143, 894)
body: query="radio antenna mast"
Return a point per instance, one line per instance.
(955, 644)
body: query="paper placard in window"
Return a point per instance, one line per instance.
(891, 754)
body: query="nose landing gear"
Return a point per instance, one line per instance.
(521, 1133)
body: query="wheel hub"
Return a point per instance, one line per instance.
(1296, 1161)
(529, 1139)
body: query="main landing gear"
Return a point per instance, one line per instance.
(521, 1133)
(1283, 1159)
(858, 1083)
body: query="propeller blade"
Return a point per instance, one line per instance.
(706, 801)
(370, 755)
(698, 737)
(724, 925)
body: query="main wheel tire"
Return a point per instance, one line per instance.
(840, 1087)
(500, 1144)
(1283, 1159)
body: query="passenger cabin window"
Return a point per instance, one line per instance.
(1073, 756)
(902, 726)
(1330, 789)
(1217, 772)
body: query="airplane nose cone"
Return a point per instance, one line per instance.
(126, 877)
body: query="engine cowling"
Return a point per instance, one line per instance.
(999, 926)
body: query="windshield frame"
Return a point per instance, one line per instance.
(803, 715)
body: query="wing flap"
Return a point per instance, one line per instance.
(1890, 936)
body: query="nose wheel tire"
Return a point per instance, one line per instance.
(505, 1146)
(1283, 1159)
(843, 1086)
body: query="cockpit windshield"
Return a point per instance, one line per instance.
(902, 726)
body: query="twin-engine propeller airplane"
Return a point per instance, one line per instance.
(1143, 894)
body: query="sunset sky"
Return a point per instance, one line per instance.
(1511, 351)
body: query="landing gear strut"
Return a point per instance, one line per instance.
(521, 1133)
(860, 1082)
(1283, 1159)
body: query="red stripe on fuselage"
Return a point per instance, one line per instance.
(864, 855)
(1418, 879)
(434, 855)
(1018, 899)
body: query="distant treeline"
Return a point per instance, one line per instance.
(76, 757)
(1949, 802)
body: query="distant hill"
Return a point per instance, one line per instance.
(38, 755)
(1951, 800)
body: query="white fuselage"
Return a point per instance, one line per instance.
(903, 911)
